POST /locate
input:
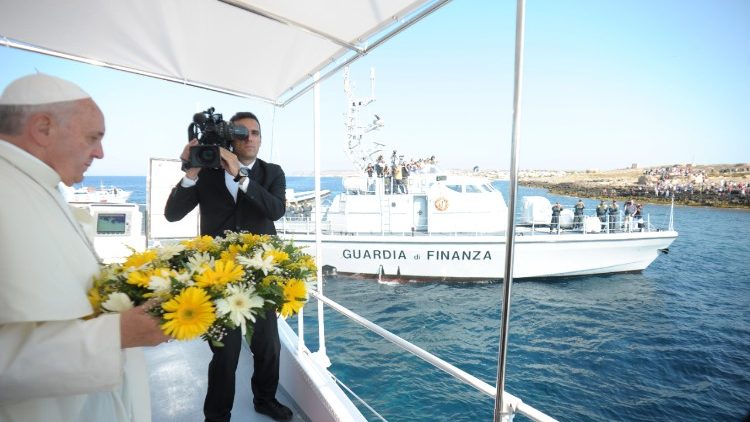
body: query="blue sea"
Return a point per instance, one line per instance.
(669, 344)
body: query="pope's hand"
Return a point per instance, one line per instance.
(138, 328)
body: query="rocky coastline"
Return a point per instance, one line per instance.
(720, 186)
(622, 193)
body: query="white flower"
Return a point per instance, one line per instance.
(168, 251)
(196, 262)
(118, 302)
(185, 278)
(233, 237)
(239, 303)
(258, 262)
(159, 284)
(267, 247)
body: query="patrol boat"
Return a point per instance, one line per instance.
(452, 227)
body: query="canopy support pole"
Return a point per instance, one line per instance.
(501, 413)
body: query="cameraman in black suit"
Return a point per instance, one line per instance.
(245, 194)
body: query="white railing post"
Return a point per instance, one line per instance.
(320, 355)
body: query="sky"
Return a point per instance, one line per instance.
(606, 84)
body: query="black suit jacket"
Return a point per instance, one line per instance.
(255, 211)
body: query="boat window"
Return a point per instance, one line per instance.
(488, 188)
(111, 224)
(473, 189)
(456, 188)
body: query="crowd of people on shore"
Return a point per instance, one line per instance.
(687, 180)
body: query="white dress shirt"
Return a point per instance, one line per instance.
(232, 186)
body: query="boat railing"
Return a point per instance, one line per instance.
(514, 403)
(609, 223)
(305, 224)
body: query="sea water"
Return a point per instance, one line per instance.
(669, 344)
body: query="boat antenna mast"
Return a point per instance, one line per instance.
(359, 152)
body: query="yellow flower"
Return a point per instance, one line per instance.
(295, 295)
(137, 260)
(233, 250)
(224, 271)
(305, 263)
(189, 314)
(144, 278)
(277, 255)
(95, 299)
(201, 244)
(308, 262)
(272, 279)
(253, 239)
(139, 278)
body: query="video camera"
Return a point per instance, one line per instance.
(212, 132)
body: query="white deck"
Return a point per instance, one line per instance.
(178, 376)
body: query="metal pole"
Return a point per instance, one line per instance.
(510, 234)
(321, 354)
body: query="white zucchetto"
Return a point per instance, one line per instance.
(40, 89)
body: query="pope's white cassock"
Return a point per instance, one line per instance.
(54, 365)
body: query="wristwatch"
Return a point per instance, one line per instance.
(244, 172)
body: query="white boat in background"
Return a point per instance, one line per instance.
(443, 226)
(90, 194)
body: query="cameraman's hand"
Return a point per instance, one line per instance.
(191, 173)
(229, 161)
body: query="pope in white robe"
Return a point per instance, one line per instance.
(55, 364)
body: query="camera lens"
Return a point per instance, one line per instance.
(238, 132)
(207, 155)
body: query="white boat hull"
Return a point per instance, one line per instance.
(483, 257)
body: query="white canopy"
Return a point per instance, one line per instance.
(268, 49)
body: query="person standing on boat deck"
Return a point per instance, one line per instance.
(630, 209)
(387, 180)
(601, 212)
(55, 365)
(638, 217)
(245, 194)
(556, 210)
(613, 211)
(398, 182)
(578, 214)
(379, 165)
(370, 180)
(404, 177)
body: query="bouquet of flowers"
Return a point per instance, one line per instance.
(206, 286)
